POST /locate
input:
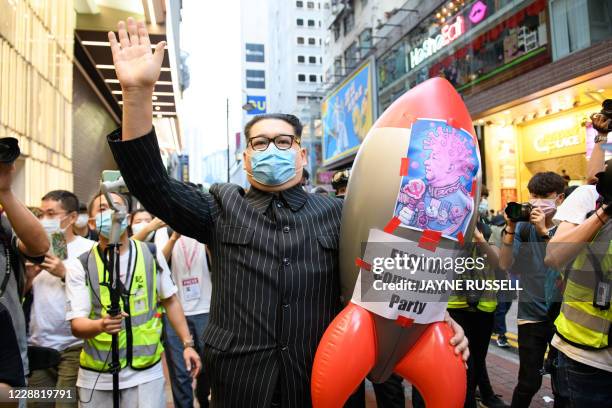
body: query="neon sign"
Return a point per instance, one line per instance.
(430, 46)
(478, 12)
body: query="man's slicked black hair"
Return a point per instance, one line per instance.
(290, 119)
(546, 182)
(68, 201)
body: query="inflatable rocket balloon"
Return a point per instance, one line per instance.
(416, 179)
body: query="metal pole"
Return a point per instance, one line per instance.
(228, 137)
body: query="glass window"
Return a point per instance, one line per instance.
(569, 19)
(326, 5)
(301, 59)
(312, 60)
(310, 4)
(302, 77)
(312, 41)
(311, 23)
(300, 40)
(351, 56)
(300, 22)
(349, 23)
(392, 65)
(336, 32)
(338, 66)
(312, 78)
(299, 4)
(365, 39)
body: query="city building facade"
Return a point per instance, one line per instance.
(530, 72)
(36, 53)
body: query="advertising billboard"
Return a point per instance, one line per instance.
(258, 103)
(347, 114)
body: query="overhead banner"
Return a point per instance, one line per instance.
(347, 115)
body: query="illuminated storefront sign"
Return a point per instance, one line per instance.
(478, 12)
(548, 143)
(430, 46)
(556, 137)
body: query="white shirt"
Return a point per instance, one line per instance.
(577, 205)
(48, 325)
(189, 269)
(79, 305)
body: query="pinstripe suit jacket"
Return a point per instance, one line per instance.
(275, 274)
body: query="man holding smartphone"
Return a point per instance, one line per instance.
(49, 330)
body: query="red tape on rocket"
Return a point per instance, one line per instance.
(410, 199)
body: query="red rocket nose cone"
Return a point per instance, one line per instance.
(435, 98)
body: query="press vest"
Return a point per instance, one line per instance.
(139, 341)
(487, 299)
(580, 323)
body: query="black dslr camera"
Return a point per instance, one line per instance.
(9, 149)
(604, 187)
(518, 212)
(606, 111)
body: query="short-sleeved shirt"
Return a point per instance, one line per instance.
(534, 274)
(189, 268)
(577, 205)
(79, 305)
(48, 325)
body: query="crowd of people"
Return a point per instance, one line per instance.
(217, 282)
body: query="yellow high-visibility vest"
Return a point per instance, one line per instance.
(139, 341)
(488, 298)
(580, 323)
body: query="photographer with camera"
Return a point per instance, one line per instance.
(529, 227)
(21, 236)
(602, 123)
(583, 375)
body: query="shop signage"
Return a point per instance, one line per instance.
(258, 103)
(551, 142)
(478, 12)
(432, 45)
(556, 137)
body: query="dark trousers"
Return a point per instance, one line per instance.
(533, 339)
(478, 327)
(389, 394)
(180, 380)
(580, 385)
(499, 325)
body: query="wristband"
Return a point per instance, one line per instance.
(600, 137)
(507, 232)
(599, 217)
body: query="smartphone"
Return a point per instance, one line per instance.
(112, 176)
(59, 247)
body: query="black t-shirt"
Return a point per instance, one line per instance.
(11, 366)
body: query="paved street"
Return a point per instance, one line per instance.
(502, 364)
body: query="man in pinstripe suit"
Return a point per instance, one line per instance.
(275, 276)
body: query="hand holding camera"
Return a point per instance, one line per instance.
(602, 121)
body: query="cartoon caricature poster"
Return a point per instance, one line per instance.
(347, 115)
(435, 195)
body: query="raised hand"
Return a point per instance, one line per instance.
(136, 66)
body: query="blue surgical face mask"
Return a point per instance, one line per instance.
(272, 166)
(104, 223)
